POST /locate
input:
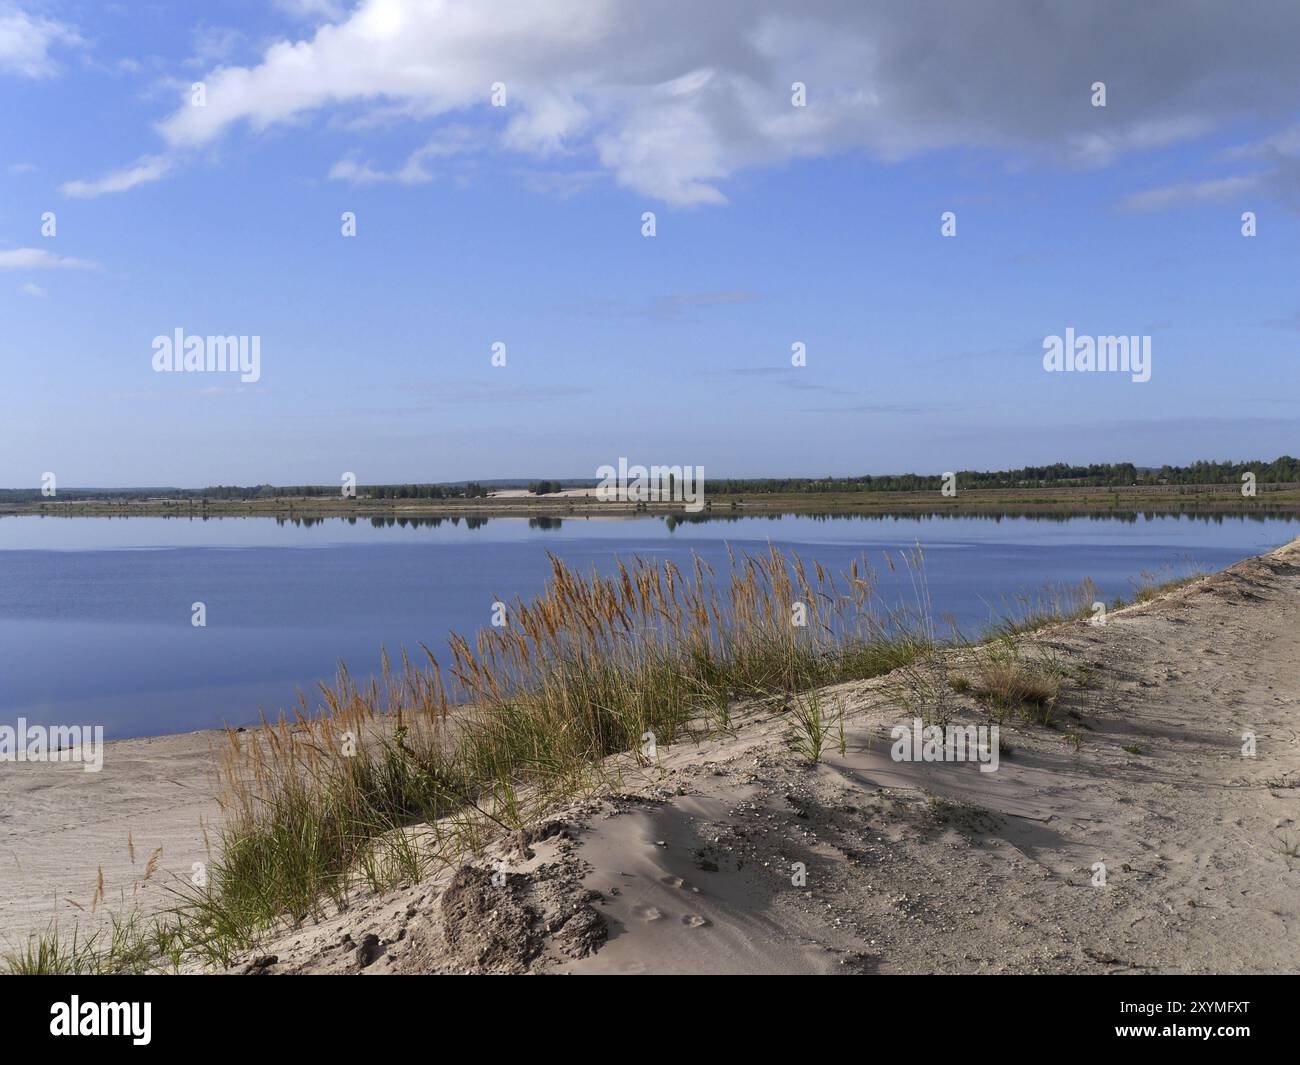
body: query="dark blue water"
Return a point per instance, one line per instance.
(95, 613)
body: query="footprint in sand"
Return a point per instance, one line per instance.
(649, 913)
(694, 920)
(678, 882)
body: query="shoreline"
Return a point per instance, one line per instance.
(1272, 499)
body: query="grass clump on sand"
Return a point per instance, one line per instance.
(813, 726)
(1009, 678)
(124, 946)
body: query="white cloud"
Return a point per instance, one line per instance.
(452, 141)
(33, 290)
(40, 259)
(26, 40)
(1103, 148)
(313, 10)
(1283, 143)
(149, 168)
(675, 100)
(561, 184)
(358, 173)
(1278, 153)
(215, 45)
(1191, 193)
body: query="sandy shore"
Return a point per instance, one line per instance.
(59, 826)
(908, 867)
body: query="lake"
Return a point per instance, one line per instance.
(95, 613)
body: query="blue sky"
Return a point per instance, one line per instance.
(522, 224)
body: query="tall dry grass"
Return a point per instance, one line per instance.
(428, 759)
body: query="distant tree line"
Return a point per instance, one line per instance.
(1285, 470)
(473, 490)
(224, 493)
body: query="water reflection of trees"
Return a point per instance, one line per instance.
(1209, 515)
(548, 523)
(415, 521)
(543, 522)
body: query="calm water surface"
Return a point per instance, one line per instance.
(95, 612)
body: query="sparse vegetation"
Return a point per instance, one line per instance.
(812, 726)
(1011, 679)
(1151, 586)
(127, 945)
